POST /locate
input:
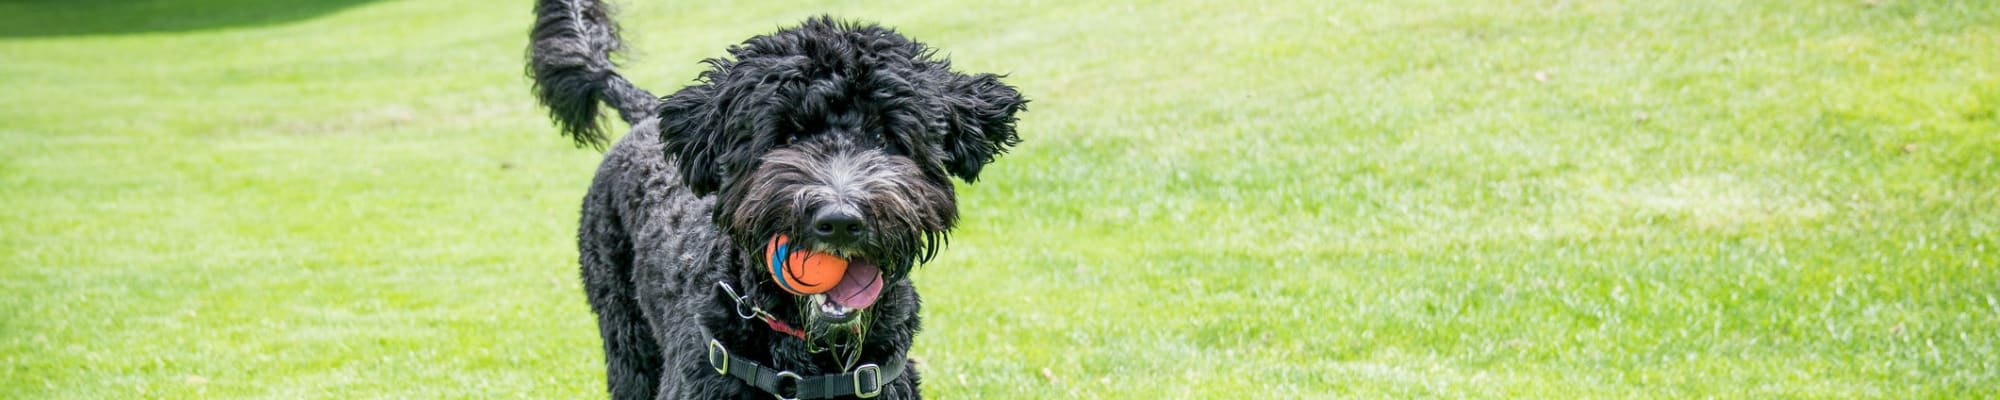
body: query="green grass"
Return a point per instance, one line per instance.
(1523, 198)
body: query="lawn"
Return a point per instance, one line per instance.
(1215, 199)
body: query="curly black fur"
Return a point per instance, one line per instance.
(569, 53)
(825, 115)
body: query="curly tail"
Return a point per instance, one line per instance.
(569, 58)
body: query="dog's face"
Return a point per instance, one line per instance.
(843, 138)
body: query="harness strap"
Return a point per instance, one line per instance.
(864, 382)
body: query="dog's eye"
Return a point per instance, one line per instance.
(789, 139)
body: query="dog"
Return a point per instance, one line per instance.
(841, 137)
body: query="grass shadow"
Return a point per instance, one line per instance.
(42, 18)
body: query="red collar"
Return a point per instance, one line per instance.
(747, 311)
(780, 326)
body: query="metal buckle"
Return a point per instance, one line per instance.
(874, 374)
(743, 308)
(718, 357)
(780, 386)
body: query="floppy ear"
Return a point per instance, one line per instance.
(691, 134)
(980, 122)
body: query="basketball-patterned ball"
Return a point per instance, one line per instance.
(802, 271)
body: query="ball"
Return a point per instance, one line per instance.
(802, 271)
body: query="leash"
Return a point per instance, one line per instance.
(864, 381)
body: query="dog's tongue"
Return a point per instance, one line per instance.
(859, 287)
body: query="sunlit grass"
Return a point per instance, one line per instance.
(1215, 200)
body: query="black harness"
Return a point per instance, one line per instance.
(864, 382)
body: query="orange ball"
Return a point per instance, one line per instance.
(802, 271)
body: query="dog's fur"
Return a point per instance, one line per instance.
(827, 114)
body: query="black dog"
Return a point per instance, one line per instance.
(842, 137)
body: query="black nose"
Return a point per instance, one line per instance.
(837, 227)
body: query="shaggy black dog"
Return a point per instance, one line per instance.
(841, 137)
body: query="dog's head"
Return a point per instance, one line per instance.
(841, 136)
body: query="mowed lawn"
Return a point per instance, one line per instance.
(1215, 199)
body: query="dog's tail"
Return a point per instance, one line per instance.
(569, 58)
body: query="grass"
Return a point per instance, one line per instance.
(1520, 198)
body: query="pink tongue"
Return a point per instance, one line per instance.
(860, 286)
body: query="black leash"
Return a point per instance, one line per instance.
(864, 382)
